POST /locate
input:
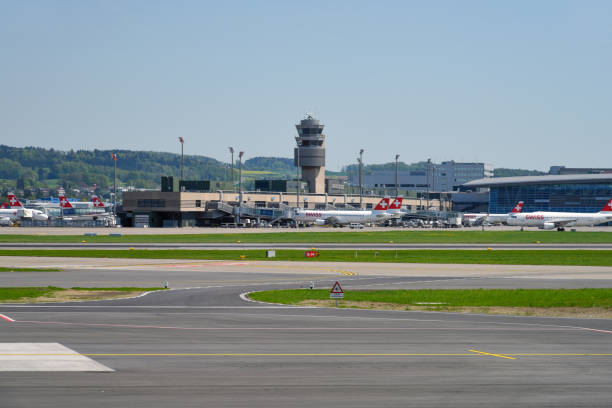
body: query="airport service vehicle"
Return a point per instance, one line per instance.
(471, 219)
(36, 215)
(343, 217)
(357, 225)
(549, 220)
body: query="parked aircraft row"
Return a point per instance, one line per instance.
(14, 212)
(544, 219)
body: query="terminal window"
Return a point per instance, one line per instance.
(151, 203)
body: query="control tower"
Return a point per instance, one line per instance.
(310, 153)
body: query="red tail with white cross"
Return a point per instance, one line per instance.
(608, 207)
(64, 203)
(517, 208)
(396, 204)
(383, 205)
(14, 201)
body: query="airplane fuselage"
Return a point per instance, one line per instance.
(549, 220)
(340, 217)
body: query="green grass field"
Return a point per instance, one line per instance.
(344, 236)
(502, 257)
(545, 298)
(20, 293)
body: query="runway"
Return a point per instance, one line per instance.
(208, 346)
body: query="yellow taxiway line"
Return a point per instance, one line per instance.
(492, 355)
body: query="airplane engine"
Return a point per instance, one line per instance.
(319, 222)
(548, 226)
(40, 216)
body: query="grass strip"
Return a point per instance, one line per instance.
(9, 269)
(502, 257)
(335, 236)
(541, 298)
(21, 293)
(26, 292)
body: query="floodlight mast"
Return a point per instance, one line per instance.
(231, 149)
(360, 159)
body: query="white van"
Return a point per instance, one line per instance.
(356, 225)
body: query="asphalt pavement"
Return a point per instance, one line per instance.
(205, 344)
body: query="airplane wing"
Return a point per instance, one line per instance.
(332, 221)
(563, 223)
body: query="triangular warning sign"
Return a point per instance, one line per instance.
(337, 288)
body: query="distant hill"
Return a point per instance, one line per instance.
(38, 167)
(30, 168)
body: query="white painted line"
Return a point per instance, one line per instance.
(5, 317)
(245, 296)
(45, 357)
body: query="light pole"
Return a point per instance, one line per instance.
(240, 183)
(427, 197)
(231, 149)
(396, 185)
(182, 161)
(114, 156)
(297, 174)
(360, 179)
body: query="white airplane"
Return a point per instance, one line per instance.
(8, 216)
(344, 217)
(549, 220)
(23, 212)
(479, 218)
(501, 218)
(82, 210)
(396, 207)
(97, 203)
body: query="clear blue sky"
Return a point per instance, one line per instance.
(516, 84)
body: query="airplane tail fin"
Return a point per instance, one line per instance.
(97, 203)
(64, 203)
(517, 208)
(396, 204)
(383, 205)
(13, 201)
(608, 207)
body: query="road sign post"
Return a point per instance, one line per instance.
(311, 254)
(336, 292)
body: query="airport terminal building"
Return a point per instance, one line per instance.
(445, 176)
(568, 192)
